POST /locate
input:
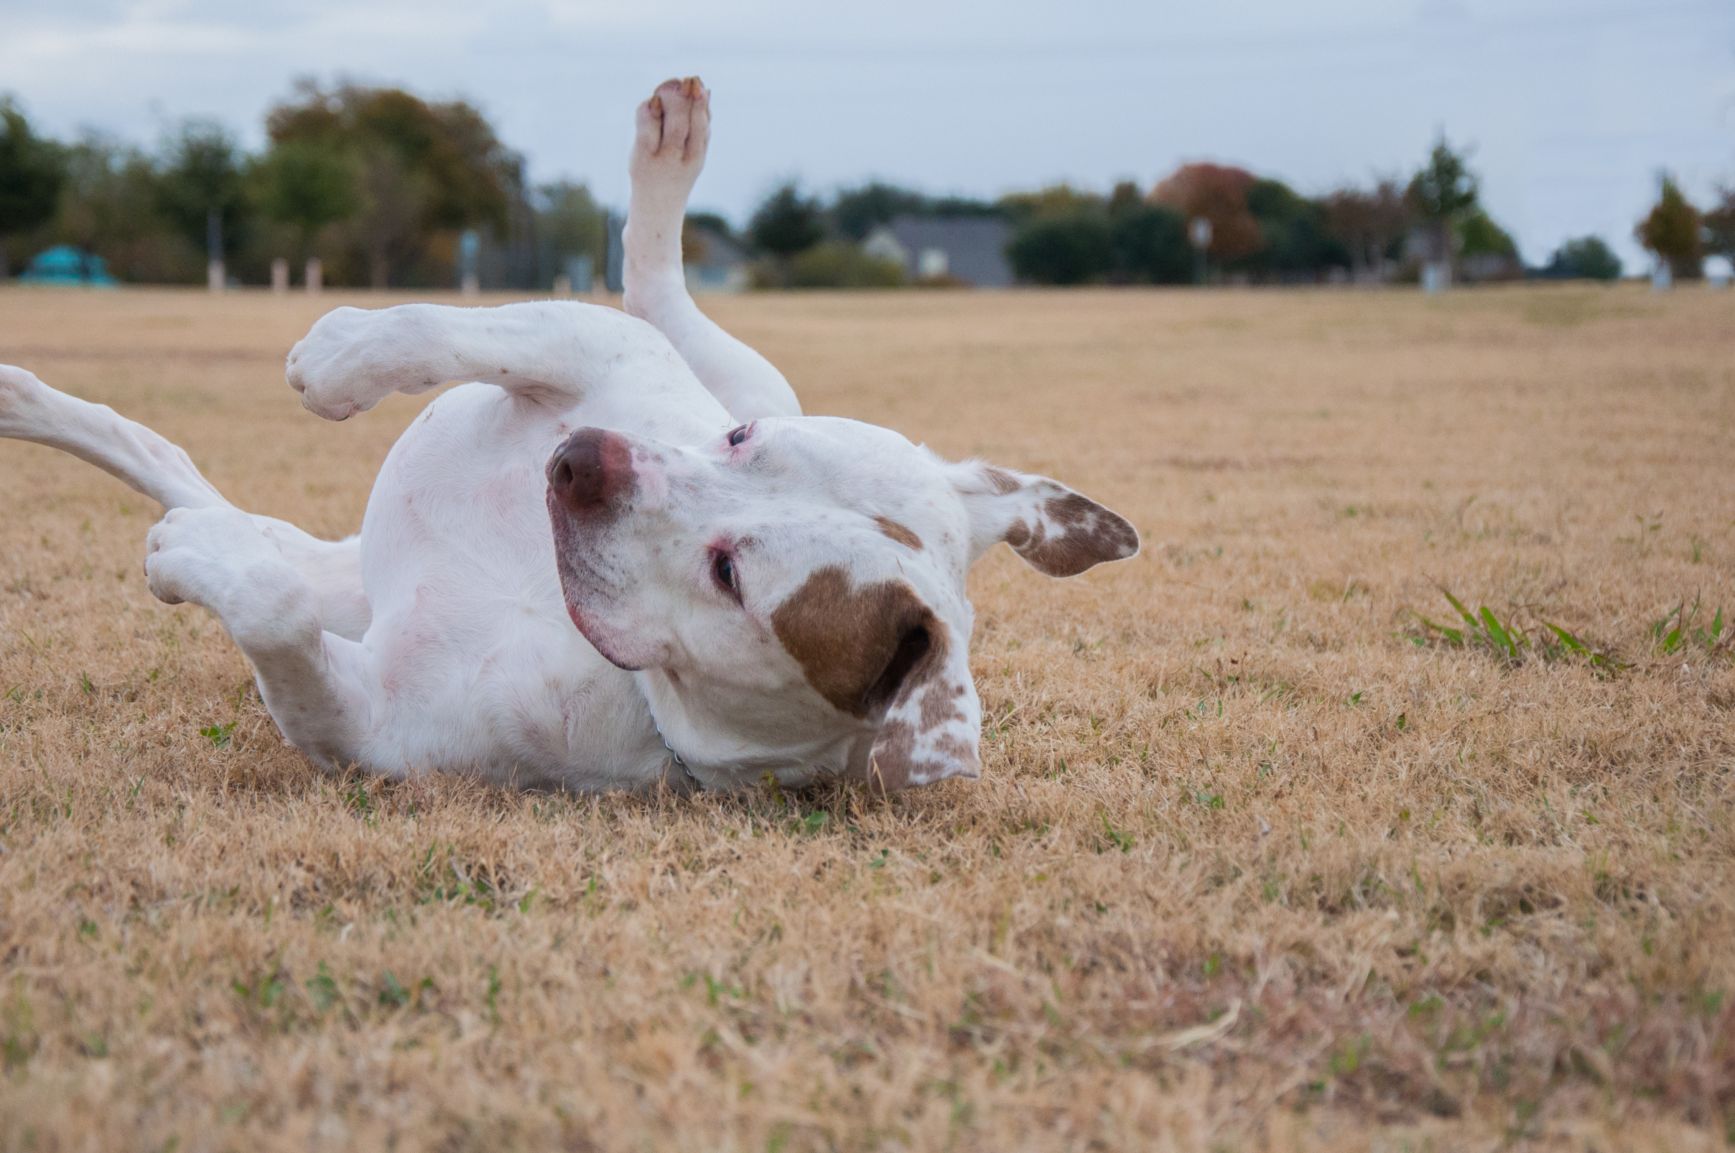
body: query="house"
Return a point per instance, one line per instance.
(965, 249)
(713, 261)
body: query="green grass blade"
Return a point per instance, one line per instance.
(1497, 632)
(1462, 611)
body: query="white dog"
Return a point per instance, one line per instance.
(754, 590)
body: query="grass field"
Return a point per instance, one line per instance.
(1259, 859)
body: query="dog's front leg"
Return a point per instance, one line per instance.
(556, 352)
(673, 132)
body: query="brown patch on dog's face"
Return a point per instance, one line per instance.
(899, 533)
(1072, 534)
(850, 641)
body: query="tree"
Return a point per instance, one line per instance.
(108, 205)
(1488, 251)
(1586, 258)
(785, 224)
(856, 211)
(423, 172)
(1125, 198)
(1055, 200)
(31, 175)
(841, 264)
(1217, 192)
(1672, 231)
(569, 222)
(1149, 245)
(1441, 193)
(307, 184)
(1478, 235)
(1370, 225)
(1073, 247)
(1295, 243)
(199, 186)
(962, 206)
(710, 222)
(1720, 225)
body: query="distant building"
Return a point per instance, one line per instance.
(714, 262)
(967, 249)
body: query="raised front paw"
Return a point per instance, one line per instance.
(674, 130)
(353, 358)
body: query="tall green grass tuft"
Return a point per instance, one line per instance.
(1505, 639)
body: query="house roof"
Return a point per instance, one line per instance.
(975, 246)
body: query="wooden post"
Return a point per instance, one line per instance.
(280, 276)
(315, 275)
(216, 276)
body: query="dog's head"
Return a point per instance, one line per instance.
(793, 590)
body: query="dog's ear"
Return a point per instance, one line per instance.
(1060, 532)
(933, 723)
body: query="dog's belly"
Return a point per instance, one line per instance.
(480, 668)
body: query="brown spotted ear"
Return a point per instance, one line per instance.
(877, 651)
(1060, 532)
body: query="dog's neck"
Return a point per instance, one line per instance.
(709, 755)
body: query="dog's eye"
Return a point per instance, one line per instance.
(723, 572)
(738, 436)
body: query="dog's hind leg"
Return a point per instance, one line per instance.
(317, 685)
(673, 133)
(132, 453)
(30, 410)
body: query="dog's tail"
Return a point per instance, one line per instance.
(30, 410)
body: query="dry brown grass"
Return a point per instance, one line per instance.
(1248, 867)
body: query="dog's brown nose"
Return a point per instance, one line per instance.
(591, 471)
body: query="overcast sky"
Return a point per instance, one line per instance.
(1572, 106)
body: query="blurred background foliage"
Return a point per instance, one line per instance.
(380, 184)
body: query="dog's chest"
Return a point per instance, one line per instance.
(476, 650)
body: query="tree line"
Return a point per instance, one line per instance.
(376, 182)
(1256, 229)
(380, 185)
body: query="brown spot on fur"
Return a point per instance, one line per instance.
(941, 708)
(1000, 480)
(843, 638)
(890, 768)
(1086, 534)
(895, 764)
(899, 533)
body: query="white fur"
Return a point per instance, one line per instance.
(443, 639)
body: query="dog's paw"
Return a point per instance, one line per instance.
(352, 358)
(673, 132)
(208, 556)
